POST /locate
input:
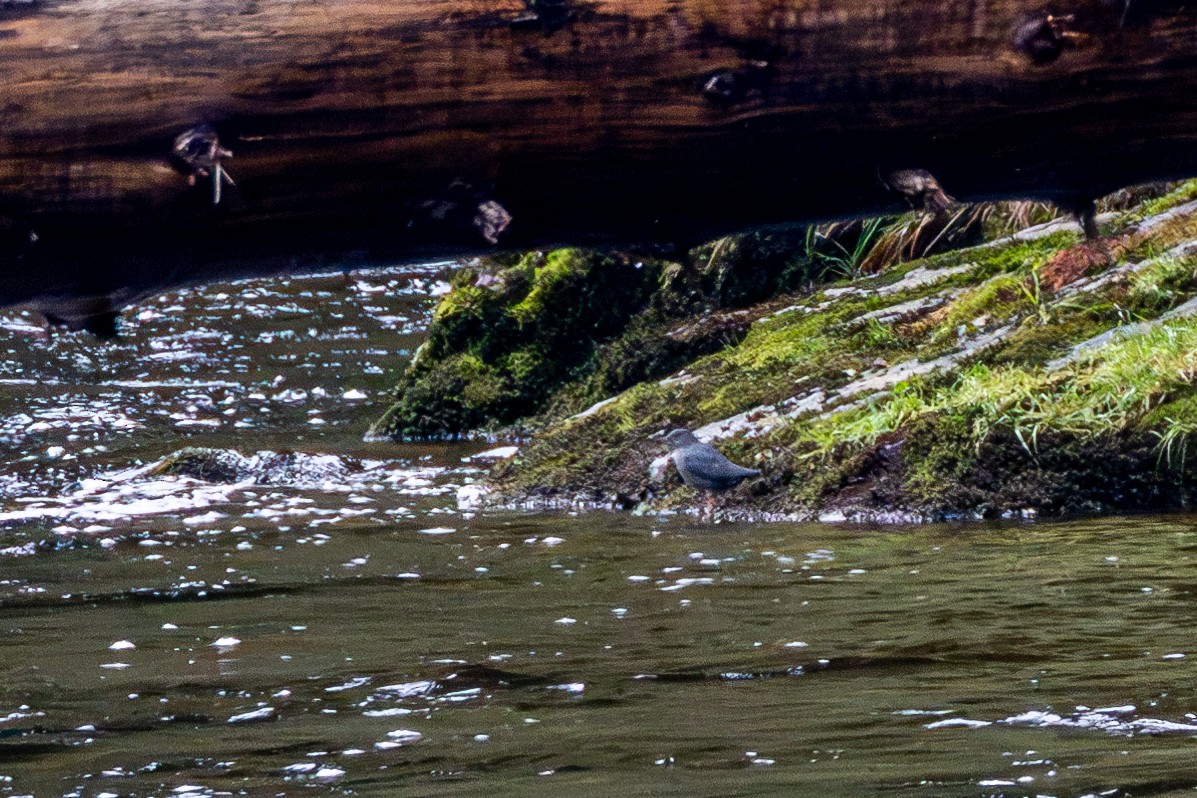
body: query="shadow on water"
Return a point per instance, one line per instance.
(356, 633)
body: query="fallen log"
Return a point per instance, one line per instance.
(147, 143)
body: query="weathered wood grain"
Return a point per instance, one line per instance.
(366, 130)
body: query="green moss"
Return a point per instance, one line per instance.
(1111, 389)
(1170, 233)
(995, 300)
(1179, 409)
(785, 342)
(500, 343)
(643, 353)
(876, 337)
(798, 352)
(736, 271)
(938, 458)
(1185, 192)
(1034, 343)
(557, 331)
(1158, 287)
(1004, 256)
(1173, 423)
(456, 393)
(560, 272)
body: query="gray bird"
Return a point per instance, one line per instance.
(921, 190)
(702, 466)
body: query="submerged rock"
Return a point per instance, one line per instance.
(263, 468)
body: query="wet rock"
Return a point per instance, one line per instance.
(903, 311)
(956, 386)
(903, 372)
(264, 468)
(509, 337)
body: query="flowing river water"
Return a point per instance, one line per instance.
(341, 627)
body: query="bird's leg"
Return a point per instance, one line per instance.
(1086, 215)
(222, 153)
(1083, 208)
(711, 505)
(219, 175)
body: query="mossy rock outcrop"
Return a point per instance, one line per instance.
(1034, 374)
(556, 331)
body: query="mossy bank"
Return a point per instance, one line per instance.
(1033, 373)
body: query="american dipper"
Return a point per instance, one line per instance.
(702, 466)
(921, 190)
(198, 152)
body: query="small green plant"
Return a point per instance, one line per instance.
(878, 336)
(1173, 446)
(1032, 290)
(1155, 287)
(838, 259)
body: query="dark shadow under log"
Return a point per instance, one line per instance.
(363, 132)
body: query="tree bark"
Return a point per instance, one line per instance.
(366, 131)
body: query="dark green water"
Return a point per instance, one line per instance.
(374, 640)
